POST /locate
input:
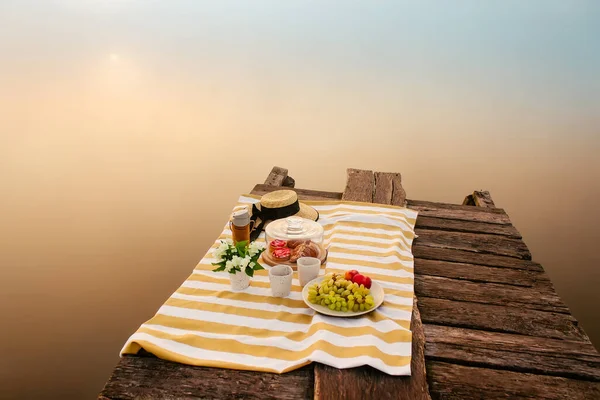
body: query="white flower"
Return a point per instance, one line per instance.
(252, 264)
(254, 248)
(236, 261)
(220, 251)
(229, 242)
(245, 261)
(228, 266)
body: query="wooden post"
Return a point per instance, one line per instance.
(479, 199)
(278, 176)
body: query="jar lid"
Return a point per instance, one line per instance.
(241, 217)
(294, 228)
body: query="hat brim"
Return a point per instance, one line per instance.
(306, 211)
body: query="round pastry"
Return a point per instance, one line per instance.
(277, 244)
(282, 254)
(304, 250)
(292, 244)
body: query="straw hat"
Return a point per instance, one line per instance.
(280, 204)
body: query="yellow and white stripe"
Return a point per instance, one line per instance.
(205, 323)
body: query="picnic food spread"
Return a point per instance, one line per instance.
(210, 321)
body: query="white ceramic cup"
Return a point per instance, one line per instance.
(280, 277)
(308, 269)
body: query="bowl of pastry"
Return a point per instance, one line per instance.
(292, 238)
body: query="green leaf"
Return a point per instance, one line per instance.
(249, 272)
(220, 268)
(257, 267)
(242, 248)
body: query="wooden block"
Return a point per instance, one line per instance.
(571, 359)
(483, 199)
(388, 189)
(477, 243)
(490, 317)
(153, 378)
(459, 382)
(360, 185)
(276, 177)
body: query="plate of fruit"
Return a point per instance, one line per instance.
(343, 295)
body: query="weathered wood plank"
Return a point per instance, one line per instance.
(497, 318)
(480, 273)
(458, 382)
(303, 194)
(463, 213)
(457, 225)
(492, 260)
(360, 185)
(477, 243)
(569, 359)
(153, 378)
(483, 199)
(365, 382)
(276, 177)
(538, 298)
(388, 189)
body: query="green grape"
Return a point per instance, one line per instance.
(321, 291)
(327, 301)
(323, 303)
(362, 307)
(360, 301)
(337, 283)
(344, 309)
(332, 306)
(358, 297)
(350, 304)
(350, 297)
(368, 306)
(346, 293)
(331, 292)
(355, 307)
(340, 290)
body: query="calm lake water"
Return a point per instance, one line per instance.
(121, 122)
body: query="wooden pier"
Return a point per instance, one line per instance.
(487, 322)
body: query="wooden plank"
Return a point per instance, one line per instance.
(153, 378)
(480, 273)
(433, 253)
(497, 318)
(366, 382)
(521, 353)
(303, 194)
(276, 177)
(477, 243)
(423, 204)
(538, 298)
(388, 189)
(359, 185)
(456, 225)
(459, 382)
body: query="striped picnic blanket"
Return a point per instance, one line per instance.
(205, 323)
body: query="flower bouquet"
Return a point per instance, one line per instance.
(240, 260)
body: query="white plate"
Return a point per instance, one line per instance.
(376, 292)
